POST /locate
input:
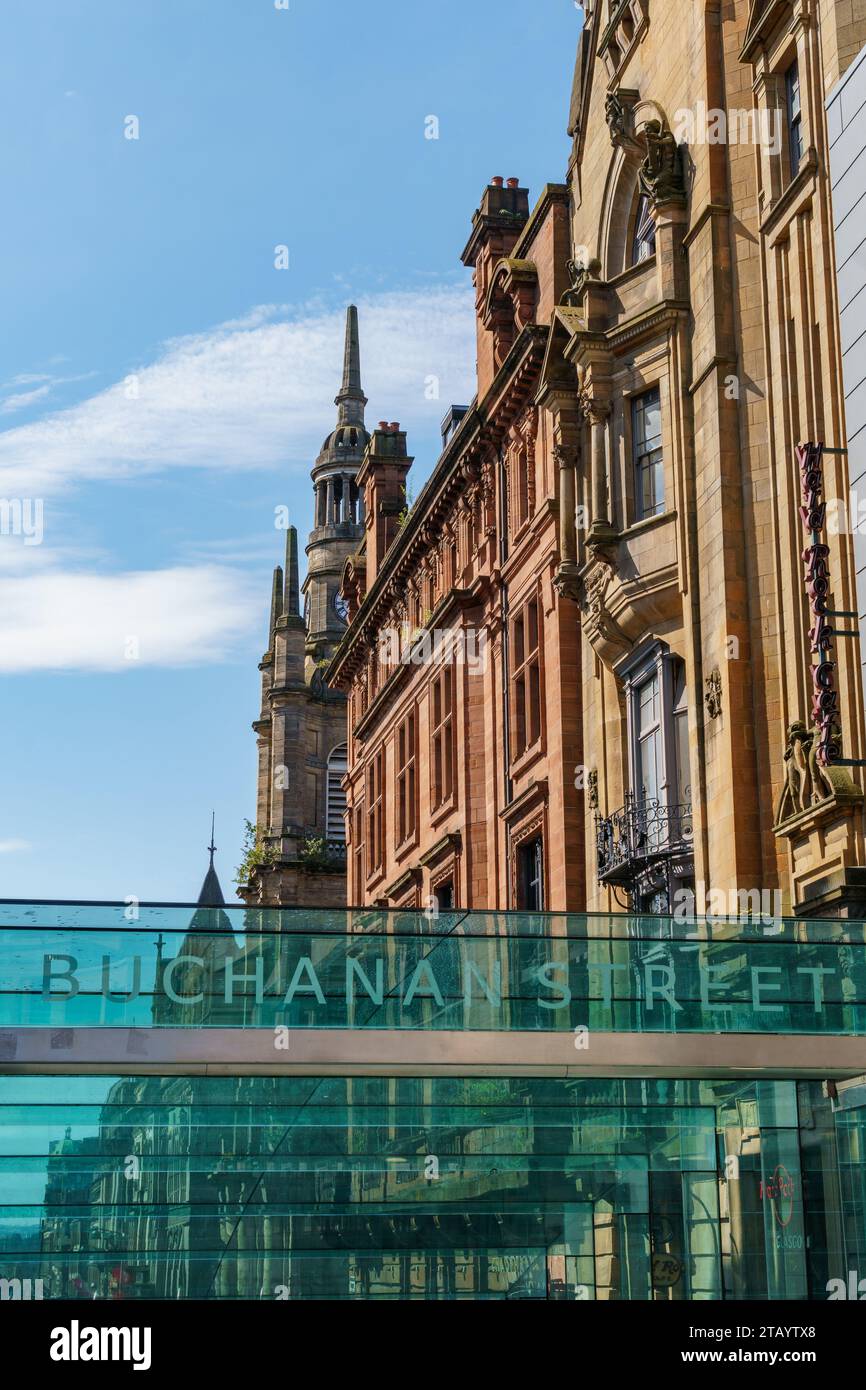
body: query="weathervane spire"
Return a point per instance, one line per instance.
(211, 894)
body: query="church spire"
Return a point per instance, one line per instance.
(211, 894)
(351, 399)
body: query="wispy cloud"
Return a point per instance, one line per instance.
(22, 399)
(40, 384)
(182, 616)
(252, 393)
(26, 379)
(14, 846)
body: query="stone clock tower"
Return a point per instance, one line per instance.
(300, 833)
(338, 525)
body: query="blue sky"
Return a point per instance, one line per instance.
(163, 387)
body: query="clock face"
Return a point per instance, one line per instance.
(341, 608)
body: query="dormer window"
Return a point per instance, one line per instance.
(644, 239)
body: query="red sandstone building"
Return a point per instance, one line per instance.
(581, 670)
(461, 661)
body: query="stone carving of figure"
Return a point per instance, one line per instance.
(578, 274)
(619, 114)
(806, 783)
(661, 174)
(822, 786)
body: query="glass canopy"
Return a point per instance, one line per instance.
(103, 965)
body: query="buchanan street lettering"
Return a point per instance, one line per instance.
(698, 981)
(816, 559)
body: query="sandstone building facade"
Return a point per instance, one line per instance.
(605, 659)
(846, 122)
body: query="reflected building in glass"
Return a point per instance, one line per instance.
(463, 1187)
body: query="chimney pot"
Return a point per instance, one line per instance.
(395, 426)
(497, 181)
(514, 183)
(383, 424)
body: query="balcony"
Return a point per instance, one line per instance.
(645, 847)
(310, 848)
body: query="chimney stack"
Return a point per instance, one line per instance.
(382, 475)
(496, 228)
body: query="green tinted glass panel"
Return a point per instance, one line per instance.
(298, 1187)
(64, 966)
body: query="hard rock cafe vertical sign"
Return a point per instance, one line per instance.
(816, 561)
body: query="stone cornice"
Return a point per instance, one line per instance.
(407, 880)
(452, 842)
(535, 794)
(283, 694)
(648, 323)
(765, 18)
(785, 204)
(844, 801)
(662, 315)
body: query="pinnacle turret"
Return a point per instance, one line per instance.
(292, 600)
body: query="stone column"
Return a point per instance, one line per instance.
(562, 418)
(329, 503)
(566, 462)
(601, 531)
(566, 580)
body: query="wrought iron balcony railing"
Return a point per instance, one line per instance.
(640, 836)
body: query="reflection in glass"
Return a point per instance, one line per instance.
(435, 1188)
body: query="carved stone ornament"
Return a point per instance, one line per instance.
(592, 787)
(565, 456)
(806, 783)
(579, 274)
(599, 624)
(661, 174)
(567, 581)
(594, 409)
(713, 693)
(619, 114)
(487, 480)
(469, 470)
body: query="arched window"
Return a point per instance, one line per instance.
(644, 240)
(335, 806)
